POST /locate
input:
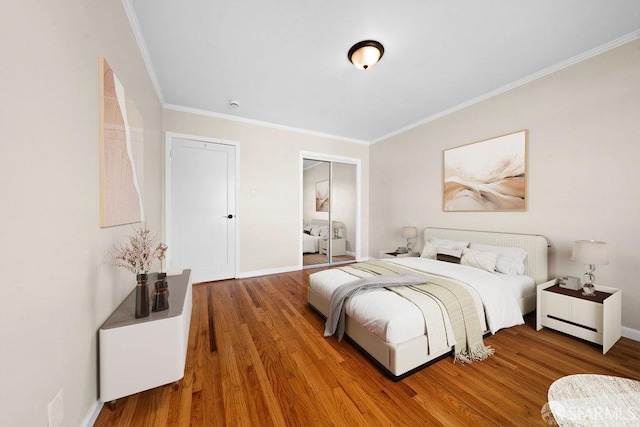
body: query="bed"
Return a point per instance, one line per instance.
(390, 330)
(313, 233)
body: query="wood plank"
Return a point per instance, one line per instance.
(271, 366)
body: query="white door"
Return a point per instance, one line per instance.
(201, 208)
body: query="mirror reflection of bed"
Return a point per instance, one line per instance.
(316, 240)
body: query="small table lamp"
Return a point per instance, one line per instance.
(590, 253)
(409, 233)
(338, 229)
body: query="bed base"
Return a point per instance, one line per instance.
(395, 359)
(380, 365)
(388, 373)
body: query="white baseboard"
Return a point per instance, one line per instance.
(267, 272)
(92, 415)
(632, 334)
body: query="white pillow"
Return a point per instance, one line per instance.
(451, 244)
(510, 260)
(307, 228)
(315, 231)
(478, 259)
(324, 231)
(429, 251)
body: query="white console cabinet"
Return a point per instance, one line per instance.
(596, 318)
(339, 247)
(140, 354)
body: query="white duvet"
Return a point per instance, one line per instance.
(311, 244)
(395, 319)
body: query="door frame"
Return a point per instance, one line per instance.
(338, 159)
(169, 136)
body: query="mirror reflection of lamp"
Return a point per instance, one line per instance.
(409, 233)
(590, 253)
(338, 229)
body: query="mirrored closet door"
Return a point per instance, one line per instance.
(329, 212)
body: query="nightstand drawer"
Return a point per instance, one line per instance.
(587, 313)
(556, 305)
(579, 312)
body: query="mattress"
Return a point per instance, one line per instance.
(395, 319)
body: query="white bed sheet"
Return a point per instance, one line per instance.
(394, 319)
(311, 244)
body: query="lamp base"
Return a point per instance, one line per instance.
(588, 290)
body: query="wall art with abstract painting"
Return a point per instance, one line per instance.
(322, 196)
(488, 175)
(121, 153)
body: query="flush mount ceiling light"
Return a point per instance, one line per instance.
(365, 54)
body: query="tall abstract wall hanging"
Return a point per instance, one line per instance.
(488, 175)
(322, 196)
(121, 153)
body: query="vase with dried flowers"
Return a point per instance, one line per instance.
(137, 257)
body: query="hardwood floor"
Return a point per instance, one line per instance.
(257, 357)
(315, 259)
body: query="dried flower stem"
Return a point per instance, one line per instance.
(138, 255)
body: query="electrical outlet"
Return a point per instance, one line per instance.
(56, 410)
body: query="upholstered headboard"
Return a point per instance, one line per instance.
(536, 246)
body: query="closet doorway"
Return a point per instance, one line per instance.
(330, 211)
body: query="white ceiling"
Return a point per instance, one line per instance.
(286, 62)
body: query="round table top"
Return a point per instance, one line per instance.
(595, 400)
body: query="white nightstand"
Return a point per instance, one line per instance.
(596, 319)
(391, 253)
(339, 247)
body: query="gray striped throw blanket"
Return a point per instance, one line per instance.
(411, 284)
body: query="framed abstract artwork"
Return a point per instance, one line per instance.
(488, 175)
(322, 196)
(121, 153)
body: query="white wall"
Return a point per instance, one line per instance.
(269, 193)
(583, 174)
(56, 288)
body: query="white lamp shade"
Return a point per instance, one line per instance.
(409, 232)
(337, 224)
(590, 252)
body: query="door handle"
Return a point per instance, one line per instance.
(229, 216)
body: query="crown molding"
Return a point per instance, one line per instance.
(550, 70)
(261, 123)
(142, 45)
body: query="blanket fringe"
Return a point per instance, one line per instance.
(477, 354)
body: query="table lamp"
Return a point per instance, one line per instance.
(590, 253)
(338, 229)
(409, 233)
